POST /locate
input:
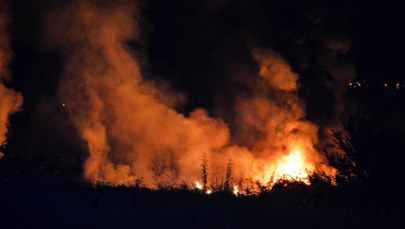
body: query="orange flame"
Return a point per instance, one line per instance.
(293, 167)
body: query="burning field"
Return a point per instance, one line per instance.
(134, 133)
(238, 110)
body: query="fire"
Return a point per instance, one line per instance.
(198, 185)
(235, 190)
(133, 130)
(293, 167)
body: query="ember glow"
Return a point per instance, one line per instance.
(134, 133)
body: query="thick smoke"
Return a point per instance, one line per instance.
(324, 57)
(327, 69)
(10, 101)
(131, 129)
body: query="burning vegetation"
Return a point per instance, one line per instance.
(134, 135)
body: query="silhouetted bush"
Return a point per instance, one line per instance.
(373, 152)
(31, 197)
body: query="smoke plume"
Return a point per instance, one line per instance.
(134, 134)
(10, 101)
(272, 120)
(328, 65)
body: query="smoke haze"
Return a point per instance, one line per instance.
(10, 101)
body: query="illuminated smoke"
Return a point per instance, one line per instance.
(134, 134)
(10, 101)
(272, 122)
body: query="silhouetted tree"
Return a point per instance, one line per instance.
(372, 150)
(228, 176)
(204, 171)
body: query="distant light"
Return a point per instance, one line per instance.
(63, 105)
(356, 84)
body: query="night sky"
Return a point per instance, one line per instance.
(199, 45)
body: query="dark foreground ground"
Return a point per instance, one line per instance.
(31, 197)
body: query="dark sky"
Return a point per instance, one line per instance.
(198, 44)
(203, 49)
(378, 36)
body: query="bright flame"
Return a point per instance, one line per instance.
(293, 167)
(235, 190)
(198, 185)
